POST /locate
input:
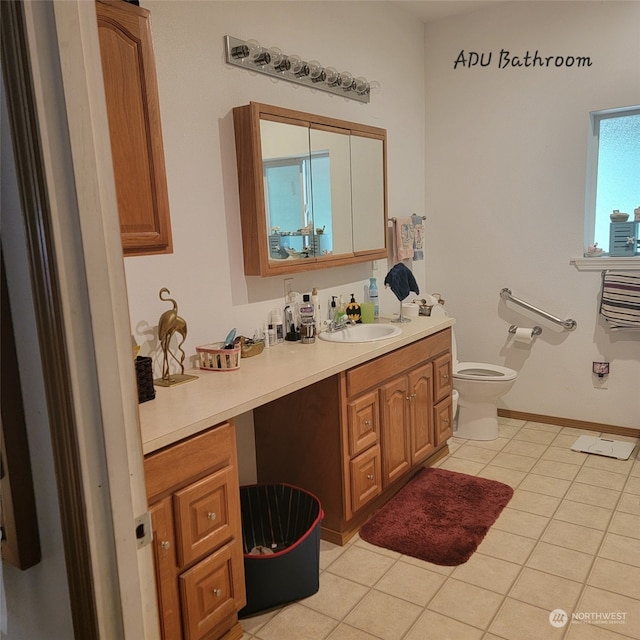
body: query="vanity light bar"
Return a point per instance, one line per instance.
(250, 55)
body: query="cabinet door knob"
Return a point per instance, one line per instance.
(445, 420)
(217, 592)
(211, 515)
(445, 376)
(370, 477)
(367, 423)
(165, 544)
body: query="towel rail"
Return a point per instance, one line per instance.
(569, 324)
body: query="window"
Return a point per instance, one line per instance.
(614, 181)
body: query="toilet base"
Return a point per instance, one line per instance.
(478, 421)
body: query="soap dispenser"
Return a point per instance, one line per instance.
(333, 309)
(353, 310)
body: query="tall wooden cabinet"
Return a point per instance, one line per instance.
(353, 439)
(194, 500)
(131, 90)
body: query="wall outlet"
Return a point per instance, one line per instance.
(288, 287)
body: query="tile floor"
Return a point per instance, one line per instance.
(569, 539)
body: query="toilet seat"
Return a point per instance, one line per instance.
(483, 372)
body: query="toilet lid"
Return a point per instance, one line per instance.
(482, 371)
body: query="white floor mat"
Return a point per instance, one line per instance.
(604, 447)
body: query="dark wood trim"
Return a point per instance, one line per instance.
(20, 537)
(570, 422)
(45, 279)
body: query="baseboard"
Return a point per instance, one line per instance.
(570, 422)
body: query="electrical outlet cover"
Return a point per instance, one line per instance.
(603, 447)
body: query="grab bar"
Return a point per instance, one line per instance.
(568, 324)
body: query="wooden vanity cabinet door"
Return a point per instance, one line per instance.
(421, 412)
(166, 567)
(206, 514)
(395, 435)
(364, 423)
(133, 110)
(443, 382)
(212, 591)
(443, 421)
(365, 477)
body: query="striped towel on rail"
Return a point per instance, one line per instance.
(620, 299)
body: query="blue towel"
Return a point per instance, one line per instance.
(401, 281)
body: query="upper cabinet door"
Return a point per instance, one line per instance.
(128, 66)
(368, 180)
(296, 183)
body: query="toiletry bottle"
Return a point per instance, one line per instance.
(340, 308)
(265, 335)
(333, 309)
(353, 310)
(316, 306)
(307, 321)
(278, 325)
(373, 296)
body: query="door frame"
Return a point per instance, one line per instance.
(55, 97)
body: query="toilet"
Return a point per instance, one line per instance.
(479, 386)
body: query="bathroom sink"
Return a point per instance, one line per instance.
(362, 333)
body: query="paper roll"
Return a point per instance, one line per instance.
(524, 335)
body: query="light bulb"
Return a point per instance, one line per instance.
(332, 76)
(299, 67)
(257, 54)
(346, 81)
(316, 72)
(375, 87)
(361, 86)
(279, 61)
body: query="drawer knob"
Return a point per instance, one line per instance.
(165, 544)
(212, 515)
(217, 592)
(370, 477)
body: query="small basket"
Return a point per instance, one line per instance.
(214, 357)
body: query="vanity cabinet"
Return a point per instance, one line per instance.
(133, 110)
(312, 190)
(354, 438)
(194, 501)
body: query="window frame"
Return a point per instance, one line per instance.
(595, 118)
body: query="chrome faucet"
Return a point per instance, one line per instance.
(342, 323)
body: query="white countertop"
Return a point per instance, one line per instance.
(183, 410)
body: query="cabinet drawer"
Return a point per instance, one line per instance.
(364, 423)
(443, 420)
(212, 590)
(443, 382)
(367, 375)
(178, 464)
(206, 514)
(366, 476)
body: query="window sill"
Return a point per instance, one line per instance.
(606, 262)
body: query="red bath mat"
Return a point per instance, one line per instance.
(439, 516)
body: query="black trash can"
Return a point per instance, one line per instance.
(281, 538)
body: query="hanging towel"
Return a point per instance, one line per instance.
(418, 237)
(403, 239)
(401, 281)
(620, 299)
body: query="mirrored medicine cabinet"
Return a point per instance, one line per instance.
(312, 190)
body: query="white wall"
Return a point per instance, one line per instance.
(197, 93)
(505, 194)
